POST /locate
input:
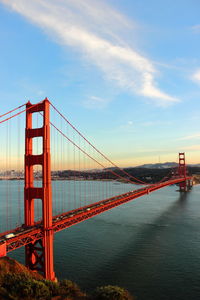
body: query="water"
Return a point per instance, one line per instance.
(150, 246)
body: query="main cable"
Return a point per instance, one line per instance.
(19, 113)
(9, 112)
(112, 163)
(83, 151)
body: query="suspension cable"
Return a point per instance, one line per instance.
(139, 181)
(9, 112)
(19, 113)
(83, 151)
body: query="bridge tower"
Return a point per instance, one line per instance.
(182, 171)
(39, 254)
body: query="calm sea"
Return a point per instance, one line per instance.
(150, 246)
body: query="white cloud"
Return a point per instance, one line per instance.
(97, 31)
(156, 123)
(190, 137)
(196, 28)
(192, 148)
(196, 76)
(93, 102)
(128, 126)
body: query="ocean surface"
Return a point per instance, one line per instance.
(150, 246)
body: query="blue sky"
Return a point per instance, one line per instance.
(126, 73)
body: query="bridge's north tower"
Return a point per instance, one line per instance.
(182, 172)
(39, 254)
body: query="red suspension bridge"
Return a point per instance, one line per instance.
(59, 187)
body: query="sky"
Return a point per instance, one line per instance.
(125, 73)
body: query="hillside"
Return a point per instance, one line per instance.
(17, 282)
(8, 265)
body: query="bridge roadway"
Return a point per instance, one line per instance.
(25, 235)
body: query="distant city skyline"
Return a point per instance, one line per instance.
(125, 73)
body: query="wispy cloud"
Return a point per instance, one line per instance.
(190, 137)
(192, 147)
(94, 102)
(156, 123)
(196, 28)
(128, 126)
(196, 76)
(97, 30)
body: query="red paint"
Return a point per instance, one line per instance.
(37, 237)
(39, 253)
(82, 214)
(182, 172)
(3, 251)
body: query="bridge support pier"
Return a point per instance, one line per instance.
(39, 254)
(183, 187)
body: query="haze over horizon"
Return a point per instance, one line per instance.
(127, 74)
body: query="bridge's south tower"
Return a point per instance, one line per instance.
(39, 254)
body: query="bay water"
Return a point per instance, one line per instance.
(150, 246)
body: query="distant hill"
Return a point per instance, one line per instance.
(148, 173)
(166, 165)
(195, 165)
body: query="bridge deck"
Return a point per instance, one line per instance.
(23, 236)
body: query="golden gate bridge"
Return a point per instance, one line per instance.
(40, 214)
